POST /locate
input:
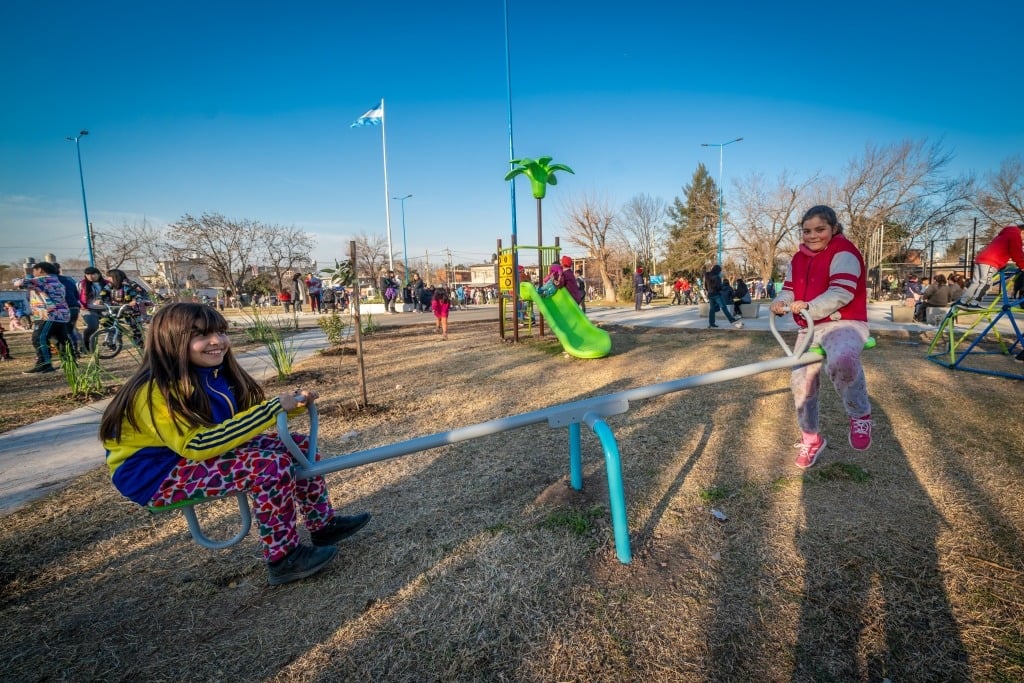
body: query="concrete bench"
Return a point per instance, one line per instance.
(902, 314)
(750, 310)
(935, 314)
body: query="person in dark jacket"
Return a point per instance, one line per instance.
(740, 295)
(638, 288)
(389, 289)
(713, 285)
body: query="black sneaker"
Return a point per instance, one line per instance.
(1019, 357)
(302, 562)
(42, 367)
(338, 528)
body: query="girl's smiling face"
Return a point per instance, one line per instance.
(207, 350)
(816, 233)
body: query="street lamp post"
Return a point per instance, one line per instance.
(85, 207)
(721, 149)
(405, 249)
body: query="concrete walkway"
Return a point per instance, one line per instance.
(44, 457)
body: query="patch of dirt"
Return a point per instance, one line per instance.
(339, 351)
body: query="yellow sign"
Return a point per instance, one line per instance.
(506, 273)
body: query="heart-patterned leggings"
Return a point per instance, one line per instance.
(264, 469)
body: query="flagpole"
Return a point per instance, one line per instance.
(387, 192)
(512, 189)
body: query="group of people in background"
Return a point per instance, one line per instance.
(57, 302)
(309, 290)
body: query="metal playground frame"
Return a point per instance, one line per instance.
(954, 350)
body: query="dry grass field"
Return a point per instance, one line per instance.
(905, 562)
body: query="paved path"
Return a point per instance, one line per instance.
(44, 457)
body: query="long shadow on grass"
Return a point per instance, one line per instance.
(874, 604)
(859, 594)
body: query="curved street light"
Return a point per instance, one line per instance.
(721, 148)
(405, 249)
(81, 178)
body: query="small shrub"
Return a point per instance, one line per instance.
(259, 330)
(625, 290)
(334, 327)
(369, 326)
(84, 379)
(282, 354)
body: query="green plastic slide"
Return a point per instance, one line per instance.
(579, 336)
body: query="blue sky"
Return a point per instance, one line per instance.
(244, 108)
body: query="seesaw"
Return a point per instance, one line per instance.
(591, 412)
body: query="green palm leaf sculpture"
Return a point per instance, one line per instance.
(541, 173)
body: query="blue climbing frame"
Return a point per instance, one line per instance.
(954, 350)
(591, 412)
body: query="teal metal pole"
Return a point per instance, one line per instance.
(575, 457)
(616, 495)
(85, 206)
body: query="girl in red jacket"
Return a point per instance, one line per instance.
(827, 278)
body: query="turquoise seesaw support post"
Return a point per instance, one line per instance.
(590, 411)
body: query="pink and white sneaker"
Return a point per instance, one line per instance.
(860, 432)
(809, 452)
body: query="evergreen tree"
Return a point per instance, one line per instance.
(693, 225)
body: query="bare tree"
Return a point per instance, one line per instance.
(642, 228)
(901, 184)
(371, 255)
(767, 215)
(1001, 200)
(120, 246)
(229, 248)
(589, 223)
(286, 248)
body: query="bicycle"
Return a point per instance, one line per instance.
(115, 322)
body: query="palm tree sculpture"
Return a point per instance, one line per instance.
(541, 173)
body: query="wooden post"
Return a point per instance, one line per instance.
(358, 322)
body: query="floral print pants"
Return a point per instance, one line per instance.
(264, 469)
(842, 341)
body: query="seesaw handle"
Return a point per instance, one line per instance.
(306, 459)
(800, 347)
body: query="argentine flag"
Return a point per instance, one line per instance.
(374, 117)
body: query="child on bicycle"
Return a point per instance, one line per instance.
(191, 424)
